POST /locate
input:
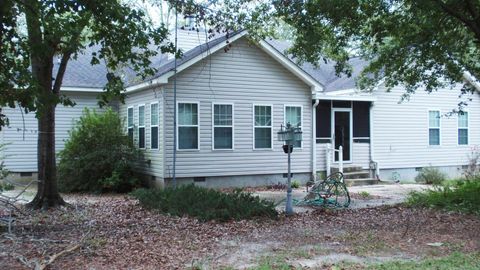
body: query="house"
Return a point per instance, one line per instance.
(232, 96)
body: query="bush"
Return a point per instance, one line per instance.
(430, 175)
(205, 204)
(6, 186)
(98, 156)
(463, 197)
(295, 184)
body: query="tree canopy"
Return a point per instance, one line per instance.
(41, 31)
(419, 44)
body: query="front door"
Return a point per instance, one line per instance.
(342, 132)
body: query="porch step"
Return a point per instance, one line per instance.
(356, 175)
(347, 169)
(360, 182)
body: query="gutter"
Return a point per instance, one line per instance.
(314, 139)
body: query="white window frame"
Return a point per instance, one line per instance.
(301, 118)
(133, 123)
(197, 126)
(143, 126)
(231, 126)
(467, 128)
(439, 127)
(157, 126)
(254, 126)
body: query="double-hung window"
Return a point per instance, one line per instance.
(130, 123)
(262, 127)
(293, 115)
(154, 126)
(463, 128)
(222, 126)
(141, 126)
(187, 128)
(434, 127)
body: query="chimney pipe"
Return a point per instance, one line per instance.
(190, 22)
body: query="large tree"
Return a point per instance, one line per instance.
(34, 33)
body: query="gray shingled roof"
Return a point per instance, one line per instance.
(325, 73)
(80, 73)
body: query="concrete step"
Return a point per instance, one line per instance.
(347, 169)
(360, 182)
(356, 174)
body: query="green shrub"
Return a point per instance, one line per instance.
(295, 184)
(98, 156)
(364, 194)
(6, 186)
(430, 175)
(464, 197)
(205, 204)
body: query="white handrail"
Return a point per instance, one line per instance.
(329, 150)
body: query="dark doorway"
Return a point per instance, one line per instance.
(342, 132)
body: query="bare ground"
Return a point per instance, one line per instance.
(115, 232)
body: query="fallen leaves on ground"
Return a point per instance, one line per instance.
(118, 233)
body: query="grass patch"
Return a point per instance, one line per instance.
(454, 261)
(364, 194)
(364, 243)
(206, 204)
(273, 262)
(462, 196)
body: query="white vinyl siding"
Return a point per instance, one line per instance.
(141, 126)
(463, 128)
(257, 79)
(188, 127)
(400, 131)
(293, 115)
(223, 126)
(130, 124)
(154, 126)
(434, 127)
(262, 125)
(21, 135)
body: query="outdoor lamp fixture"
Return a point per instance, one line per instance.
(290, 135)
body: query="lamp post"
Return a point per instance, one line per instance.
(289, 135)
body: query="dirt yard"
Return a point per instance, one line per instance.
(114, 232)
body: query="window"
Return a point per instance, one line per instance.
(293, 115)
(141, 126)
(130, 123)
(154, 125)
(222, 126)
(463, 128)
(434, 127)
(262, 127)
(188, 129)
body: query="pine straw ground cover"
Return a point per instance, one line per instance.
(114, 232)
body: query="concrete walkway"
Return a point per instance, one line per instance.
(381, 194)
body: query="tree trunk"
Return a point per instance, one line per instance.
(42, 55)
(47, 193)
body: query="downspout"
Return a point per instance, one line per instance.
(314, 140)
(373, 164)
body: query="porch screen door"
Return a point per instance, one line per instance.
(342, 133)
